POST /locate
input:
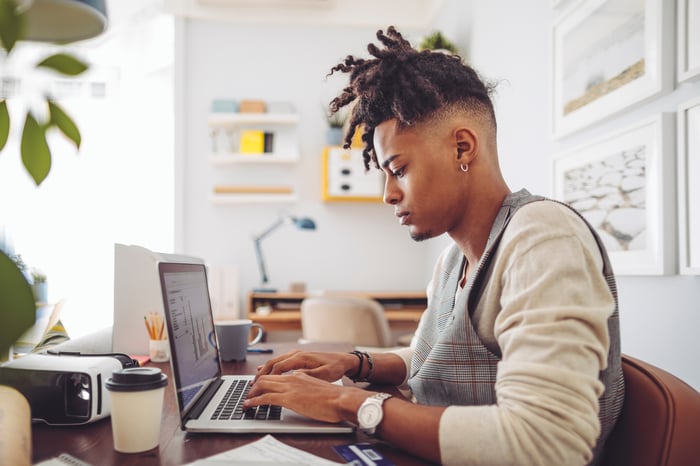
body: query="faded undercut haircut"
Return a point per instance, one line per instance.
(411, 86)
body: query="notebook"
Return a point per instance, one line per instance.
(199, 384)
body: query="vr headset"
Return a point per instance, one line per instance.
(65, 388)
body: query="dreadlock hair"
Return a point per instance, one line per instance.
(410, 86)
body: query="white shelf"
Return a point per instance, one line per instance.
(227, 199)
(238, 119)
(233, 158)
(226, 130)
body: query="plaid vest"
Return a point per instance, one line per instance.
(451, 366)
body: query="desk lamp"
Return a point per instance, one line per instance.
(302, 223)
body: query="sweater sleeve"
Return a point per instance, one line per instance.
(550, 309)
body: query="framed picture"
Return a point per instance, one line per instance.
(624, 186)
(688, 188)
(345, 179)
(609, 55)
(688, 39)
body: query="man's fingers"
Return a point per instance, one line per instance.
(272, 365)
(268, 384)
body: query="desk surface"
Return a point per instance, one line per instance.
(93, 442)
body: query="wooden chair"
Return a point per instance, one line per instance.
(660, 420)
(346, 319)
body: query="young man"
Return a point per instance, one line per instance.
(516, 359)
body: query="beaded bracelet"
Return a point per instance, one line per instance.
(355, 377)
(370, 363)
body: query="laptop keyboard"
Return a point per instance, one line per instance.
(231, 405)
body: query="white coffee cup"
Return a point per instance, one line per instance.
(233, 337)
(136, 396)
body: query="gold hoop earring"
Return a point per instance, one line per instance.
(464, 167)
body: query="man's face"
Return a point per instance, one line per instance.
(422, 176)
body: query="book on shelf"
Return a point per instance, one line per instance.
(267, 144)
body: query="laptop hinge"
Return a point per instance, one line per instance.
(202, 402)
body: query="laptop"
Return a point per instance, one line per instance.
(207, 400)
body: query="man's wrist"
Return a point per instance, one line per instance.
(365, 367)
(349, 402)
(356, 371)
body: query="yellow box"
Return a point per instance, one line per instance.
(252, 141)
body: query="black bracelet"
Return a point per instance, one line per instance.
(370, 364)
(355, 377)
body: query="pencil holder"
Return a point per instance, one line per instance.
(158, 350)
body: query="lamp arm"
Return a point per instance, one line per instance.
(261, 263)
(270, 229)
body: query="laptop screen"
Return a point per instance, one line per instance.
(190, 328)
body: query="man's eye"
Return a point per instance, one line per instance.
(398, 173)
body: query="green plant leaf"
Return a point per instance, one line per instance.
(12, 24)
(17, 308)
(64, 64)
(4, 123)
(36, 155)
(65, 123)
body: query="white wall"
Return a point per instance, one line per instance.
(509, 40)
(356, 246)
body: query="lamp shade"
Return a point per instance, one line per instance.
(304, 223)
(64, 21)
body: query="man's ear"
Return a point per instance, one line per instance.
(467, 144)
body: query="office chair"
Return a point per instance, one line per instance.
(659, 422)
(345, 319)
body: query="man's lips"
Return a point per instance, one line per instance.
(403, 217)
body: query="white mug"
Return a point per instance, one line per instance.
(233, 338)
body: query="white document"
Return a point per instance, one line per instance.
(266, 451)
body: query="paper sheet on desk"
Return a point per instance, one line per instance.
(266, 451)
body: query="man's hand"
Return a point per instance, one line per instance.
(307, 395)
(324, 366)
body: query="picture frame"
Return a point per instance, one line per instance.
(688, 190)
(608, 55)
(345, 180)
(688, 40)
(623, 184)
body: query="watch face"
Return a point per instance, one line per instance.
(370, 415)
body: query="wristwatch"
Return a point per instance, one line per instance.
(371, 413)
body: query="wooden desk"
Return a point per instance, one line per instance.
(403, 308)
(93, 442)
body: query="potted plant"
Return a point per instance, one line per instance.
(437, 42)
(17, 305)
(336, 122)
(40, 287)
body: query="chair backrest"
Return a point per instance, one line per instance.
(660, 420)
(347, 319)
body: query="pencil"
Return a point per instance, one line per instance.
(162, 329)
(148, 327)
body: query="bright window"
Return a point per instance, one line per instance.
(118, 188)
